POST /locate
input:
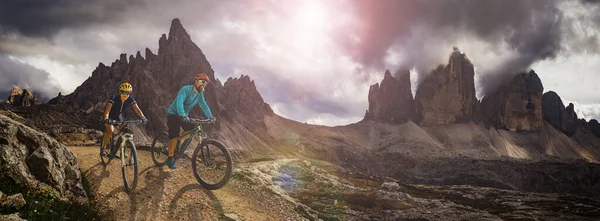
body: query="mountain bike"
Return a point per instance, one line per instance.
(211, 161)
(127, 153)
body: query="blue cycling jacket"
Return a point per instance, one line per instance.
(186, 99)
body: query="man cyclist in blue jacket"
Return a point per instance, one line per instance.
(177, 117)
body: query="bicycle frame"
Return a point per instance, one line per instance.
(123, 132)
(181, 148)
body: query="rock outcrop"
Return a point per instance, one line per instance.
(15, 94)
(240, 97)
(516, 105)
(555, 113)
(447, 95)
(594, 127)
(60, 99)
(392, 101)
(33, 160)
(22, 97)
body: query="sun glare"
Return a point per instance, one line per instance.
(312, 14)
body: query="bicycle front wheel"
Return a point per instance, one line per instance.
(129, 165)
(212, 164)
(160, 149)
(104, 152)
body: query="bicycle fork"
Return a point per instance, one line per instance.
(206, 156)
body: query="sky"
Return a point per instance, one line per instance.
(313, 61)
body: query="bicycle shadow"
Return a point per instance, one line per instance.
(144, 201)
(194, 210)
(94, 177)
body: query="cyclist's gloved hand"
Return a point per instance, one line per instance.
(185, 118)
(144, 120)
(212, 119)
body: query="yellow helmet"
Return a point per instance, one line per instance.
(125, 86)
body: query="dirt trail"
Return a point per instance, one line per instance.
(296, 189)
(165, 194)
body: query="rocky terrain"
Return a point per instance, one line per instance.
(305, 189)
(38, 173)
(444, 155)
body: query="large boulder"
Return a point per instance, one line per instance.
(392, 101)
(555, 113)
(447, 95)
(34, 160)
(516, 105)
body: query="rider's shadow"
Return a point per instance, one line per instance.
(194, 210)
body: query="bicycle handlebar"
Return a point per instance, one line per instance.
(201, 121)
(114, 122)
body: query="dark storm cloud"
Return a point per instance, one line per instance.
(591, 1)
(389, 21)
(42, 18)
(26, 77)
(530, 28)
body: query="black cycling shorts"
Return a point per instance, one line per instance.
(116, 117)
(174, 122)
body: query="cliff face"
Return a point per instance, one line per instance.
(447, 95)
(517, 105)
(555, 113)
(240, 97)
(391, 102)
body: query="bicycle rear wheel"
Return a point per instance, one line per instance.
(129, 165)
(160, 149)
(212, 164)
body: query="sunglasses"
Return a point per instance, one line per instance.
(125, 92)
(201, 81)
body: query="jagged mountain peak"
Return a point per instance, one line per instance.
(177, 31)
